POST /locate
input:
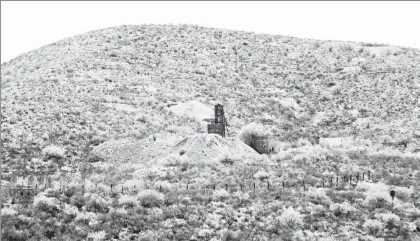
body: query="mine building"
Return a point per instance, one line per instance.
(219, 124)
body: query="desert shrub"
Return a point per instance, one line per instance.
(389, 219)
(149, 235)
(53, 151)
(94, 158)
(229, 158)
(406, 232)
(349, 195)
(377, 200)
(12, 226)
(344, 208)
(319, 210)
(69, 212)
(204, 233)
(373, 226)
(96, 203)
(302, 142)
(290, 218)
(407, 209)
(150, 198)
(220, 194)
(313, 181)
(398, 180)
(403, 193)
(7, 211)
(262, 175)
(417, 223)
(370, 238)
(97, 139)
(78, 201)
(230, 235)
(163, 186)
(70, 192)
(12, 234)
(318, 196)
(97, 236)
(125, 235)
(127, 201)
(182, 234)
(47, 205)
(102, 189)
(86, 218)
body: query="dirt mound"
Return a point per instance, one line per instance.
(193, 109)
(200, 148)
(207, 148)
(135, 151)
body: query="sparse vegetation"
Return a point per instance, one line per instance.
(96, 107)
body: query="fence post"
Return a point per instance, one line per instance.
(303, 182)
(111, 187)
(323, 183)
(187, 186)
(240, 186)
(283, 184)
(331, 181)
(363, 176)
(268, 185)
(336, 181)
(254, 186)
(368, 175)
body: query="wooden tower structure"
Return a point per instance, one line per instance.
(219, 125)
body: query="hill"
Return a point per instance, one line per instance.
(112, 125)
(122, 81)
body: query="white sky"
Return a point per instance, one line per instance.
(27, 26)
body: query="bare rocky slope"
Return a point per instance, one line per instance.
(122, 81)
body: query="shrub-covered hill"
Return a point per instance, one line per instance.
(122, 81)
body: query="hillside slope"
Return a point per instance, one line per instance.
(122, 81)
(108, 128)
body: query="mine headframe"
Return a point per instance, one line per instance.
(219, 125)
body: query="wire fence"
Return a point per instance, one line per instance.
(24, 194)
